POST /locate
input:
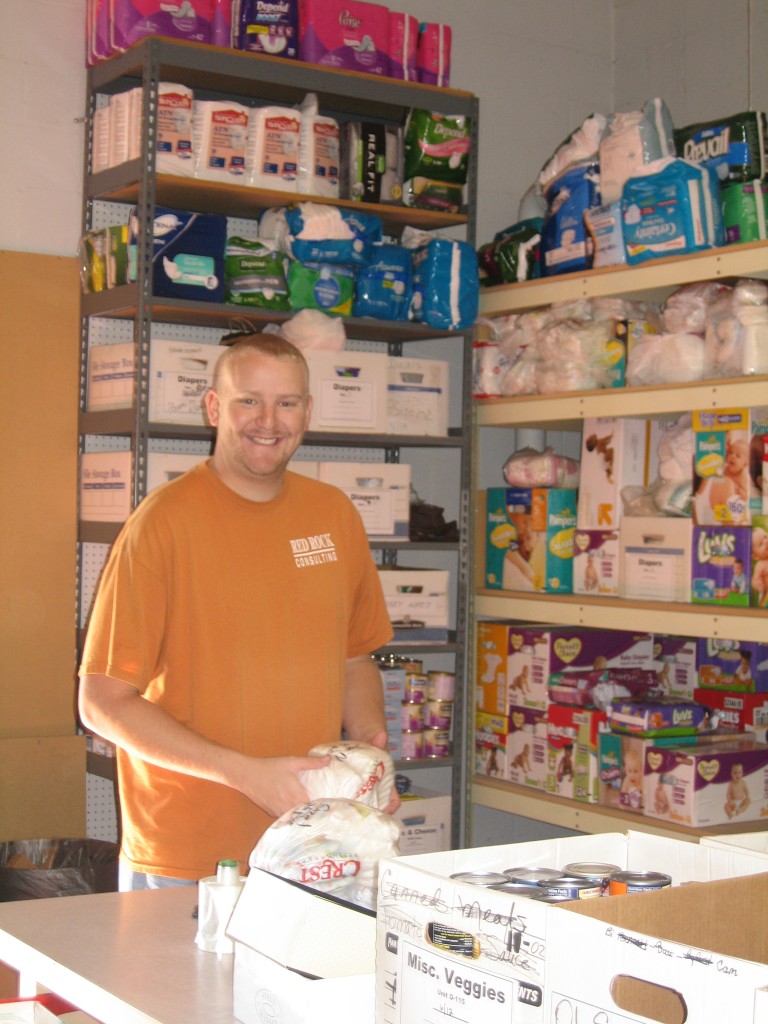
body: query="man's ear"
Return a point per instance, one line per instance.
(212, 403)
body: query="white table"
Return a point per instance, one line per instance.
(124, 958)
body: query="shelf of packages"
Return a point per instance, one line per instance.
(121, 185)
(219, 71)
(582, 817)
(122, 303)
(653, 280)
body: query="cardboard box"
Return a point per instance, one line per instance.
(526, 743)
(696, 953)
(42, 791)
(572, 751)
(381, 492)
(443, 944)
(417, 396)
(739, 665)
(674, 661)
(491, 733)
(711, 784)
(111, 376)
(655, 559)
(721, 471)
(349, 390)
(735, 711)
(529, 539)
(596, 563)
(758, 589)
(180, 373)
(106, 488)
(613, 456)
(720, 565)
(417, 602)
(300, 957)
(162, 467)
(621, 761)
(425, 821)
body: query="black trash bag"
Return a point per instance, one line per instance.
(33, 869)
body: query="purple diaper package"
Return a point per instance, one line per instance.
(134, 19)
(403, 43)
(720, 565)
(345, 34)
(660, 717)
(433, 54)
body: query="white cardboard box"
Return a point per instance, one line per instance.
(655, 560)
(417, 396)
(105, 486)
(613, 456)
(111, 376)
(349, 390)
(162, 467)
(448, 948)
(417, 602)
(300, 957)
(425, 822)
(180, 373)
(381, 492)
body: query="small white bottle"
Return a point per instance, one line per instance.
(217, 897)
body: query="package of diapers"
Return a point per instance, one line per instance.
(437, 146)
(325, 234)
(446, 282)
(319, 152)
(187, 254)
(565, 244)
(671, 209)
(734, 146)
(357, 771)
(274, 136)
(384, 288)
(745, 205)
(220, 139)
(324, 286)
(345, 34)
(268, 28)
(132, 20)
(631, 140)
(433, 54)
(513, 255)
(254, 275)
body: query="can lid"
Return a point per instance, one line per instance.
(228, 872)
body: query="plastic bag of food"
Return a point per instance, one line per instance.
(358, 771)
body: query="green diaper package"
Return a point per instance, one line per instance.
(745, 206)
(254, 275)
(323, 286)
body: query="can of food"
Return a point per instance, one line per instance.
(528, 892)
(437, 743)
(486, 878)
(594, 870)
(532, 876)
(415, 687)
(413, 665)
(571, 888)
(547, 898)
(624, 883)
(411, 745)
(412, 717)
(438, 714)
(441, 685)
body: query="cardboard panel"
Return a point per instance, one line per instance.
(42, 788)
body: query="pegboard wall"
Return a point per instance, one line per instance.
(100, 809)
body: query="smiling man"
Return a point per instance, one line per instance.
(232, 632)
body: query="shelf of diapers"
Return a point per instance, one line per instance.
(565, 412)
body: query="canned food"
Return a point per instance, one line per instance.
(412, 717)
(415, 687)
(413, 665)
(594, 870)
(441, 685)
(486, 878)
(529, 892)
(532, 876)
(572, 888)
(623, 883)
(411, 745)
(438, 714)
(437, 743)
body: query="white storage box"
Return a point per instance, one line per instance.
(349, 391)
(417, 396)
(111, 376)
(445, 945)
(655, 558)
(162, 467)
(381, 492)
(425, 822)
(180, 373)
(417, 602)
(105, 486)
(300, 957)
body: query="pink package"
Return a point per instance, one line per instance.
(97, 26)
(221, 22)
(433, 55)
(345, 34)
(134, 19)
(403, 43)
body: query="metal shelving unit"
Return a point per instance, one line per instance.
(255, 79)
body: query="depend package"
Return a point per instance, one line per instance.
(187, 254)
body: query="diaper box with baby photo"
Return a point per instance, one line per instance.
(621, 760)
(572, 745)
(613, 457)
(529, 538)
(758, 580)
(712, 783)
(674, 661)
(596, 566)
(737, 665)
(727, 465)
(736, 712)
(527, 747)
(720, 565)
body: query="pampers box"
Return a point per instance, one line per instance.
(529, 538)
(187, 254)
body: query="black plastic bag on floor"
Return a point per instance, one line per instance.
(33, 869)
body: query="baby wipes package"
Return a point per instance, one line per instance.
(734, 146)
(672, 208)
(384, 287)
(345, 34)
(445, 281)
(254, 275)
(268, 27)
(220, 139)
(187, 253)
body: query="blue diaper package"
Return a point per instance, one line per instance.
(365, 228)
(446, 284)
(187, 254)
(565, 242)
(384, 287)
(672, 210)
